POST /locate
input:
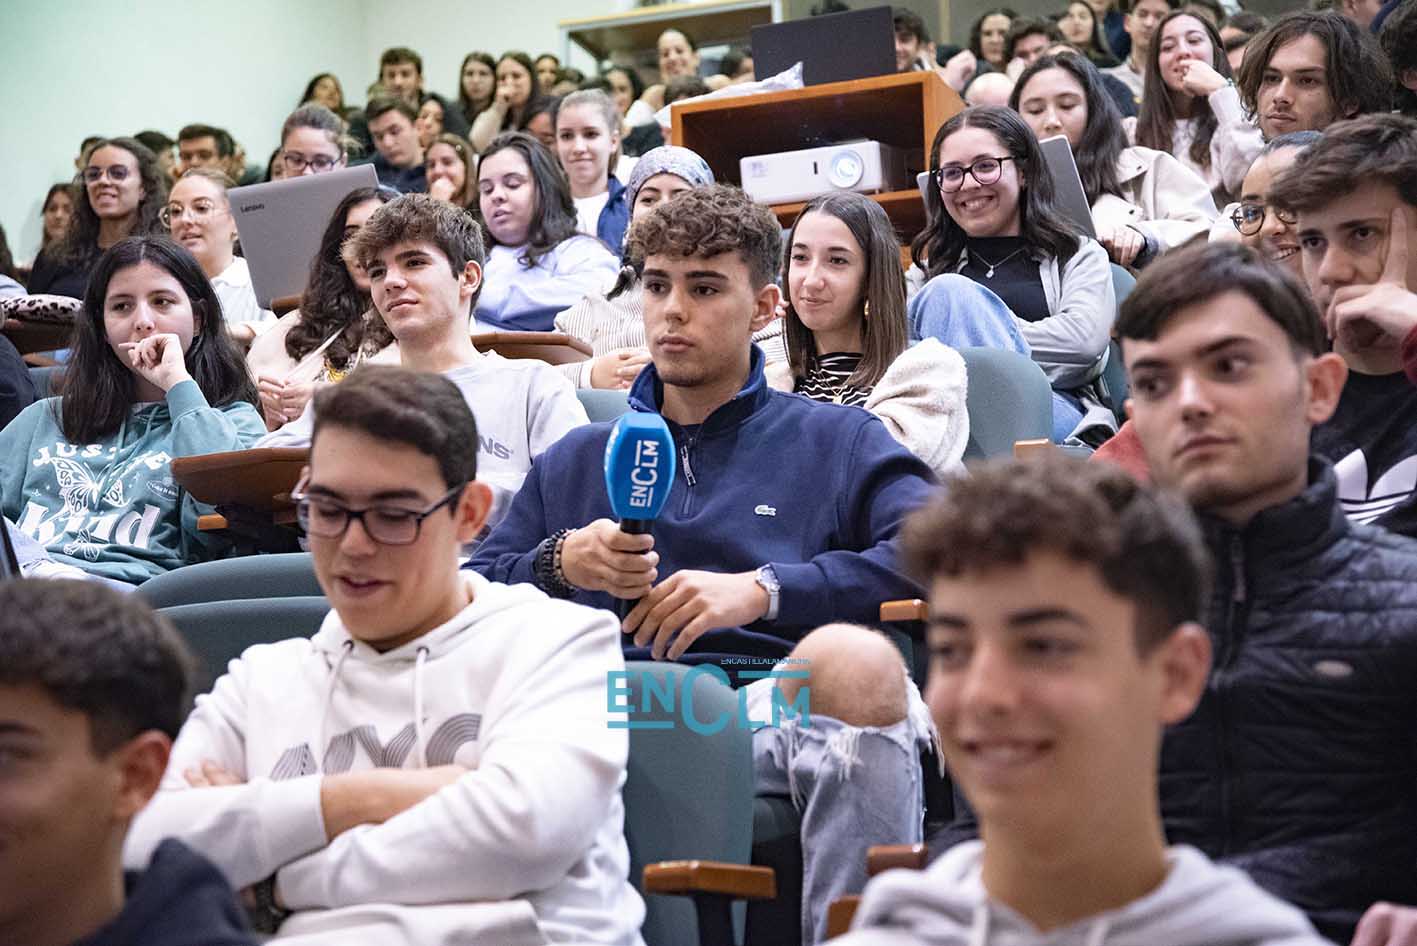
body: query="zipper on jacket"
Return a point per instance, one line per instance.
(1232, 640)
(684, 448)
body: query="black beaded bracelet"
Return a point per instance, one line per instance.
(547, 567)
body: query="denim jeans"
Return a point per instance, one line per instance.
(854, 786)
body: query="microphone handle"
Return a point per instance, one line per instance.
(633, 527)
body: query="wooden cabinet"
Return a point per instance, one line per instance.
(633, 35)
(903, 110)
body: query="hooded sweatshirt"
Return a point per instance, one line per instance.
(112, 508)
(512, 688)
(180, 900)
(1198, 904)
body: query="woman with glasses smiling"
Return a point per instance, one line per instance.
(1261, 225)
(313, 140)
(992, 219)
(198, 215)
(124, 187)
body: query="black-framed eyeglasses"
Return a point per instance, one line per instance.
(324, 518)
(295, 162)
(118, 173)
(1249, 218)
(984, 170)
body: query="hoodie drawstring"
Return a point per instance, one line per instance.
(1100, 928)
(420, 746)
(345, 650)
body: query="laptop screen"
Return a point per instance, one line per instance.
(832, 48)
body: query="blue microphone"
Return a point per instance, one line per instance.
(639, 472)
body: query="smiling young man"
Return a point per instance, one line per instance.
(1063, 634)
(781, 517)
(93, 688)
(1310, 707)
(423, 769)
(399, 157)
(1310, 69)
(424, 258)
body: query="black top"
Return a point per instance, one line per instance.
(1016, 278)
(59, 278)
(1372, 443)
(826, 380)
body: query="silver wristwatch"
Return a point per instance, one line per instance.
(767, 578)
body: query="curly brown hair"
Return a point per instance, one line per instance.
(1359, 78)
(705, 222)
(1145, 545)
(1380, 148)
(418, 218)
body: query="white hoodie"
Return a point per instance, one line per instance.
(513, 688)
(1199, 904)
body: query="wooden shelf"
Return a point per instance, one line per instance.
(902, 110)
(710, 23)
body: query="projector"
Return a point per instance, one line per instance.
(790, 176)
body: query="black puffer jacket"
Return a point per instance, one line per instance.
(1300, 765)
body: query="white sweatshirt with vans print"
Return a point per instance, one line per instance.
(513, 688)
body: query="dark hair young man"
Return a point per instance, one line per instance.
(913, 49)
(1354, 193)
(1310, 707)
(1142, 18)
(422, 763)
(1310, 69)
(203, 146)
(424, 258)
(1399, 41)
(398, 160)
(1029, 39)
(781, 517)
(401, 72)
(1064, 636)
(93, 688)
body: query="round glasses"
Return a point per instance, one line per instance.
(295, 162)
(324, 518)
(1249, 218)
(200, 210)
(984, 170)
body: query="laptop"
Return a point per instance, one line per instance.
(832, 48)
(280, 224)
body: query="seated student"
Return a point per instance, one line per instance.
(1310, 69)
(1081, 27)
(1193, 110)
(450, 164)
(198, 215)
(587, 129)
(57, 213)
(436, 759)
(1311, 704)
(93, 688)
(204, 146)
(123, 190)
(324, 89)
(313, 140)
(541, 122)
(399, 158)
(1064, 601)
(613, 324)
(913, 52)
(153, 376)
(986, 37)
(747, 558)
(1144, 202)
(336, 328)
(1399, 41)
(989, 88)
(1027, 40)
(1354, 193)
(847, 341)
(517, 88)
(424, 260)
(537, 264)
(1139, 23)
(1255, 221)
(429, 124)
(992, 219)
(477, 81)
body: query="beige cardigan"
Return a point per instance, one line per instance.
(1165, 200)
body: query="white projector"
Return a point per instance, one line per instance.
(790, 176)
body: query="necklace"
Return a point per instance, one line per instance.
(993, 266)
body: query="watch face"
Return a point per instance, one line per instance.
(768, 579)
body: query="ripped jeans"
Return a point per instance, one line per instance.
(854, 786)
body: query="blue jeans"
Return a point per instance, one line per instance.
(29, 553)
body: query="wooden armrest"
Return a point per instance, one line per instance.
(211, 522)
(1031, 448)
(883, 857)
(713, 877)
(840, 914)
(280, 305)
(912, 609)
(36, 360)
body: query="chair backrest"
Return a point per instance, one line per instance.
(688, 795)
(285, 575)
(1114, 382)
(603, 405)
(1009, 399)
(1123, 282)
(219, 631)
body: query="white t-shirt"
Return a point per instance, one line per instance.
(238, 298)
(588, 211)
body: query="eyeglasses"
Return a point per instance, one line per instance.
(1249, 218)
(388, 525)
(295, 162)
(984, 170)
(117, 173)
(200, 210)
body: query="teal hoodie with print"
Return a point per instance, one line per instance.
(112, 508)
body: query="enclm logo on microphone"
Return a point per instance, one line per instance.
(666, 701)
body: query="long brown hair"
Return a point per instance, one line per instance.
(1158, 114)
(883, 330)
